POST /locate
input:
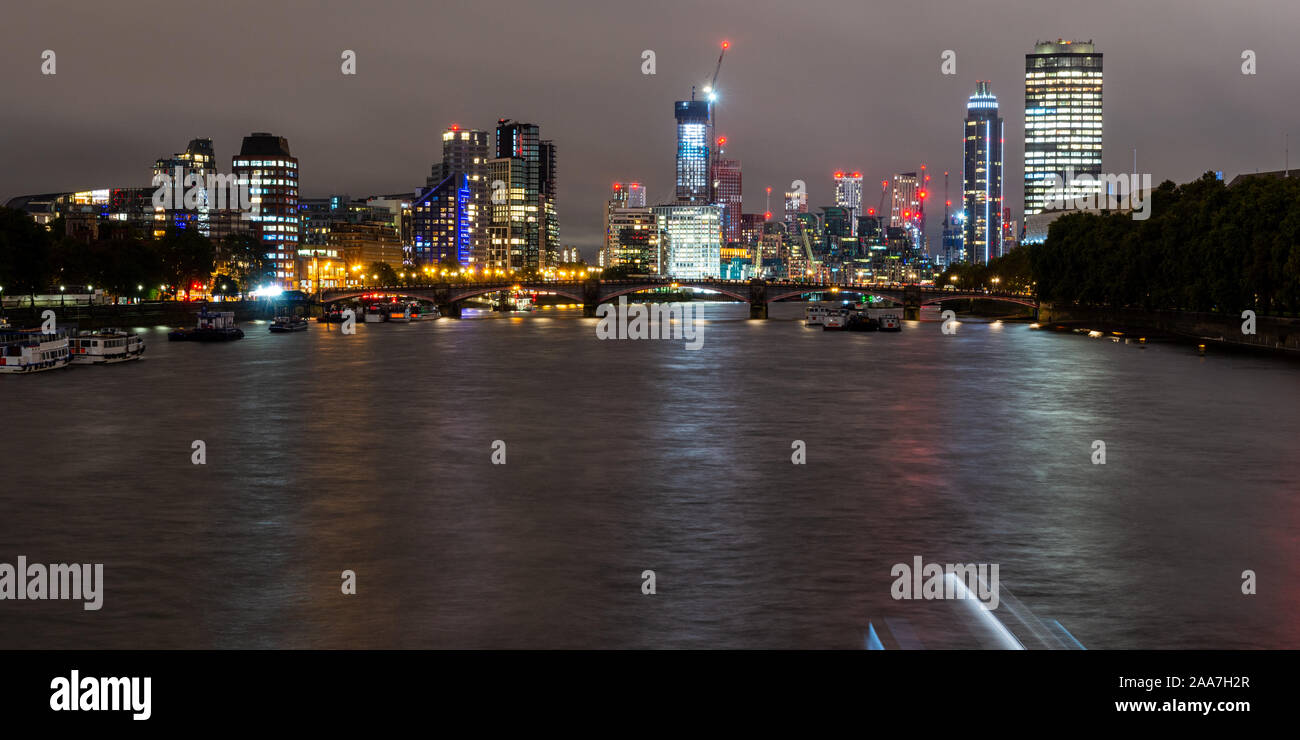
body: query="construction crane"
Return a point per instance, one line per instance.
(709, 91)
(711, 95)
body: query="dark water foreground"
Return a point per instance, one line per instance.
(373, 453)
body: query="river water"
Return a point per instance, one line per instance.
(373, 453)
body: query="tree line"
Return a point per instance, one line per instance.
(34, 259)
(1206, 247)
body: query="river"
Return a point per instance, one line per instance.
(373, 453)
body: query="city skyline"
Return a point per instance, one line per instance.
(1149, 98)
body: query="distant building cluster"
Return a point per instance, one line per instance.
(488, 206)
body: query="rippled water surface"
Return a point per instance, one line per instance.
(372, 453)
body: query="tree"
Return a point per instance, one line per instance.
(242, 256)
(225, 285)
(187, 256)
(26, 264)
(381, 273)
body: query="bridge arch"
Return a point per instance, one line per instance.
(466, 294)
(1019, 300)
(621, 291)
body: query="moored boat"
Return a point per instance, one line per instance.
(834, 320)
(398, 313)
(213, 326)
(282, 324)
(890, 322)
(861, 321)
(31, 351)
(105, 347)
(421, 312)
(814, 315)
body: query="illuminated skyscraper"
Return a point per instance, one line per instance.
(694, 134)
(264, 163)
(905, 201)
(460, 234)
(1063, 121)
(982, 176)
(549, 250)
(727, 195)
(848, 195)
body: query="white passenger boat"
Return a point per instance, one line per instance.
(105, 346)
(890, 322)
(835, 320)
(815, 315)
(30, 351)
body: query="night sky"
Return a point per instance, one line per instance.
(807, 88)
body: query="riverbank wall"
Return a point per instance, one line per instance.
(1272, 334)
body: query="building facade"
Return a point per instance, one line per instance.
(848, 195)
(1063, 122)
(693, 236)
(694, 137)
(982, 176)
(270, 171)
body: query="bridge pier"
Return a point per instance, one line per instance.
(757, 299)
(590, 298)
(912, 302)
(449, 310)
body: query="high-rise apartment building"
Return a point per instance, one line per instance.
(848, 195)
(982, 176)
(1063, 122)
(444, 231)
(727, 195)
(270, 172)
(694, 138)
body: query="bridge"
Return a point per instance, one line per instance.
(757, 293)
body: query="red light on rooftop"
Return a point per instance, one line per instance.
(857, 174)
(838, 175)
(455, 127)
(722, 140)
(871, 211)
(726, 45)
(767, 216)
(618, 186)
